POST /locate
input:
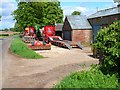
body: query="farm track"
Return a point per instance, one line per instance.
(41, 73)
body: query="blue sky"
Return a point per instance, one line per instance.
(86, 7)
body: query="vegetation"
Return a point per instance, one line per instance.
(20, 48)
(12, 29)
(108, 41)
(41, 13)
(76, 13)
(4, 34)
(0, 17)
(89, 79)
(6, 29)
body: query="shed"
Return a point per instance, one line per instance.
(103, 18)
(58, 29)
(77, 28)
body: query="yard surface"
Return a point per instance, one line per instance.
(42, 73)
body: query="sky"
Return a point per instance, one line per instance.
(86, 7)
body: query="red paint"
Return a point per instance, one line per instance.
(29, 31)
(48, 31)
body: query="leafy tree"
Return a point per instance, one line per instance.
(76, 13)
(6, 29)
(42, 13)
(18, 27)
(108, 40)
(11, 29)
(0, 17)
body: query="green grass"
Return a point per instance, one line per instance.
(21, 49)
(3, 36)
(88, 79)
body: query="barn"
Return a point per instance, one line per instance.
(103, 18)
(77, 28)
(58, 29)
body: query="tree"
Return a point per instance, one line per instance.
(116, 1)
(6, 29)
(42, 13)
(11, 29)
(76, 13)
(0, 17)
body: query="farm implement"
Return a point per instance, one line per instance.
(41, 39)
(30, 36)
(58, 41)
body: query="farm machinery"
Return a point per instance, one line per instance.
(46, 37)
(32, 36)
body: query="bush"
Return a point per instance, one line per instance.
(108, 41)
(20, 48)
(4, 34)
(88, 79)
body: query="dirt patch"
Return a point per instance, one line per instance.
(44, 80)
(8, 32)
(54, 52)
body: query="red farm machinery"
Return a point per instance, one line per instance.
(32, 36)
(43, 38)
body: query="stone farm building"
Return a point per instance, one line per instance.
(103, 18)
(77, 28)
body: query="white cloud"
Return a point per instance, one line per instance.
(6, 11)
(0, 11)
(8, 8)
(7, 17)
(67, 10)
(6, 24)
(7, 1)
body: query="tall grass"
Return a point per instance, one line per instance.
(20, 48)
(88, 79)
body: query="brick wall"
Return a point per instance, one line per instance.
(83, 36)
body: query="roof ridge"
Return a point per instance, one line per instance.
(106, 9)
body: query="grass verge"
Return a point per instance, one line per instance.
(3, 36)
(20, 48)
(88, 79)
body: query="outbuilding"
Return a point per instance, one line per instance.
(77, 28)
(103, 18)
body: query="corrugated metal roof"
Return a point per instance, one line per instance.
(106, 12)
(79, 22)
(59, 27)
